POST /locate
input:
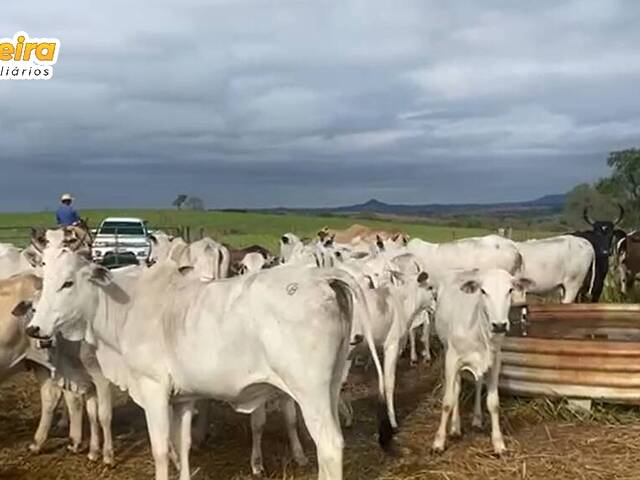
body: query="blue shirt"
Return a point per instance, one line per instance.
(66, 215)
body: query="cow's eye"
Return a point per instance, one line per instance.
(67, 284)
(483, 291)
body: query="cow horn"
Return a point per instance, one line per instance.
(585, 215)
(620, 216)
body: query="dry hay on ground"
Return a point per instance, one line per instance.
(545, 440)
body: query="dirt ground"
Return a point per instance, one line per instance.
(545, 440)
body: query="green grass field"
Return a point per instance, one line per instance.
(242, 229)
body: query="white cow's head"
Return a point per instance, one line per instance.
(69, 294)
(495, 288)
(288, 243)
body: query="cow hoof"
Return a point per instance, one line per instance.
(93, 456)
(476, 424)
(456, 434)
(34, 448)
(499, 450)
(437, 448)
(73, 448)
(107, 458)
(301, 460)
(257, 472)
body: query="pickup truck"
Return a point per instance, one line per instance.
(121, 240)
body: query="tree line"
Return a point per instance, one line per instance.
(620, 187)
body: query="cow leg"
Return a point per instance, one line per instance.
(450, 373)
(569, 293)
(49, 397)
(75, 408)
(181, 435)
(258, 419)
(155, 400)
(493, 405)
(288, 407)
(412, 347)
(321, 418)
(344, 406)
(346, 411)
(455, 431)
(477, 405)
(391, 354)
(426, 338)
(94, 428)
(105, 413)
(201, 423)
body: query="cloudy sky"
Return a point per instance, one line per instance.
(319, 102)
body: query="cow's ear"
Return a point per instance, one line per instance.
(395, 276)
(370, 283)
(523, 284)
(100, 275)
(33, 256)
(284, 239)
(21, 309)
(470, 286)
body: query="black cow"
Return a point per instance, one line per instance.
(601, 237)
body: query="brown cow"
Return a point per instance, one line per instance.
(357, 233)
(628, 252)
(75, 366)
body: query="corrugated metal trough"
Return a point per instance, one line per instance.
(575, 350)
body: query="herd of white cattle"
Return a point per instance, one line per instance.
(179, 331)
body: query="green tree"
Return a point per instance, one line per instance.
(180, 199)
(623, 185)
(194, 203)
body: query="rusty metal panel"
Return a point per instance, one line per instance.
(574, 350)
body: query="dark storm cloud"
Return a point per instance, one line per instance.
(256, 103)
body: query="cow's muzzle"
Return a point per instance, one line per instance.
(499, 327)
(34, 332)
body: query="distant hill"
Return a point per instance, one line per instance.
(548, 204)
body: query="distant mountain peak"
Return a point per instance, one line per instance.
(373, 202)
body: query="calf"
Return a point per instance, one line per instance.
(471, 320)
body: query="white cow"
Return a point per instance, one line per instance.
(397, 294)
(209, 259)
(252, 263)
(440, 259)
(165, 336)
(490, 251)
(14, 260)
(471, 318)
(320, 254)
(558, 262)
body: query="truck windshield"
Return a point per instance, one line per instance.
(121, 228)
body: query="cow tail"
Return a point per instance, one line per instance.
(593, 276)
(385, 430)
